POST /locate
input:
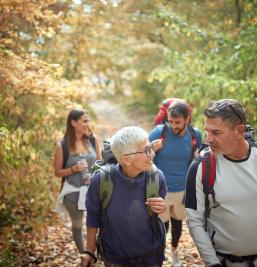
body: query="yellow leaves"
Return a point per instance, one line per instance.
(9, 100)
(247, 7)
(29, 137)
(232, 89)
(2, 206)
(57, 70)
(48, 32)
(166, 24)
(212, 44)
(33, 156)
(8, 42)
(175, 27)
(253, 21)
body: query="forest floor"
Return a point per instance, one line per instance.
(57, 249)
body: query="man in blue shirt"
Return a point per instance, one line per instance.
(127, 233)
(173, 157)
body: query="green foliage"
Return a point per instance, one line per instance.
(205, 62)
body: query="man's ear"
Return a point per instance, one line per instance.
(187, 120)
(240, 130)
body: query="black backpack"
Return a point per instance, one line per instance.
(107, 157)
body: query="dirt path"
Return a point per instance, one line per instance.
(111, 118)
(58, 249)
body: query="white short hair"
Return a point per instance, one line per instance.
(127, 140)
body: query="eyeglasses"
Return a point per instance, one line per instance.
(223, 107)
(147, 151)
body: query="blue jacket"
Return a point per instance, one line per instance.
(128, 231)
(175, 157)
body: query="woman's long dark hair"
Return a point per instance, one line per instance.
(74, 114)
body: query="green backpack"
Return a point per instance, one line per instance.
(152, 190)
(106, 185)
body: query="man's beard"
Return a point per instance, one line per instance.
(180, 131)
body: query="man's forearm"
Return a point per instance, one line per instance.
(201, 238)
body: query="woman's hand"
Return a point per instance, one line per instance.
(157, 204)
(87, 259)
(80, 166)
(157, 144)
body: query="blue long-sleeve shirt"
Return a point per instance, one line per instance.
(175, 157)
(128, 231)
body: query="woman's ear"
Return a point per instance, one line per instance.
(125, 160)
(73, 122)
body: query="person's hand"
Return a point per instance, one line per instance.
(80, 166)
(87, 260)
(196, 153)
(157, 144)
(157, 204)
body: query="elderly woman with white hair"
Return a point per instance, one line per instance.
(127, 230)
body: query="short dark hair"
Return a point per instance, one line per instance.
(226, 109)
(178, 108)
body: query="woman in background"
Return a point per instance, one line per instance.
(73, 158)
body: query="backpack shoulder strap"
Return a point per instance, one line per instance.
(208, 180)
(65, 151)
(92, 141)
(164, 132)
(152, 186)
(208, 172)
(106, 185)
(193, 139)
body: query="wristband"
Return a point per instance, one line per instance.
(92, 255)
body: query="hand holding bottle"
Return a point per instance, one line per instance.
(82, 165)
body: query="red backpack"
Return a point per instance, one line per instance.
(162, 115)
